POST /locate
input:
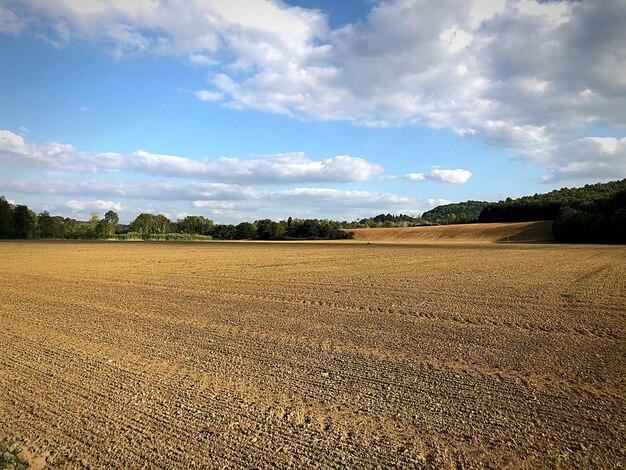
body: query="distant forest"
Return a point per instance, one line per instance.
(20, 222)
(457, 213)
(595, 213)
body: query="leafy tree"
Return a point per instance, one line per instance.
(89, 229)
(162, 224)
(195, 224)
(107, 227)
(265, 229)
(6, 218)
(51, 226)
(24, 222)
(150, 224)
(112, 218)
(143, 223)
(224, 232)
(280, 229)
(245, 231)
(72, 228)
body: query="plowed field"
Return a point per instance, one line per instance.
(131, 355)
(514, 232)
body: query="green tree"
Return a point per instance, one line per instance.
(112, 218)
(162, 224)
(143, 223)
(6, 218)
(89, 229)
(24, 222)
(149, 224)
(51, 226)
(107, 227)
(245, 231)
(195, 224)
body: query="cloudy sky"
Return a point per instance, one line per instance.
(245, 109)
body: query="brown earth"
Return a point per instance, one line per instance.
(158, 355)
(516, 232)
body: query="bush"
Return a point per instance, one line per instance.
(175, 237)
(129, 236)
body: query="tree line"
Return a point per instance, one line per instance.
(263, 229)
(595, 213)
(445, 214)
(18, 221)
(455, 213)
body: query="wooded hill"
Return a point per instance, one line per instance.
(595, 213)
(456, 213)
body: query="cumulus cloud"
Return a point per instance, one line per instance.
(264, 169)
(201, 194)
(204, 31)
(601, 158)
(78, 206)
(227, 202)
(458, 176)
(432, 203)
(521, 75)
(310, 202)
(12, 143)
(133, 189)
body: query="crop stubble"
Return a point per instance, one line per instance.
(196, 355)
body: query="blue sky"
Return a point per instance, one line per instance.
(240, 110)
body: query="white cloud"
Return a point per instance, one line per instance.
(458, 176)
(134, 189)
(259, 31)
(12, 143)
(353, 199)
(416, 176)
(520, 75)
(205, 95)
(214, 204)
(99, 204)
(200, 59)
(202, 194)
(601, 158)
(231, 203)
(264, 169)
(432, 203)
(10, 22)
(308, 202)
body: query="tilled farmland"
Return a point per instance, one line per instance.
(204, 355)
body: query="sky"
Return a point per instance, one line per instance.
(248, 109)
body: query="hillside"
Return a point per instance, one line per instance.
(591, 197)
(518, 232)
(461, 212)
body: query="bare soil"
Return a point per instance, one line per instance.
(516, 232)
(204, 355)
